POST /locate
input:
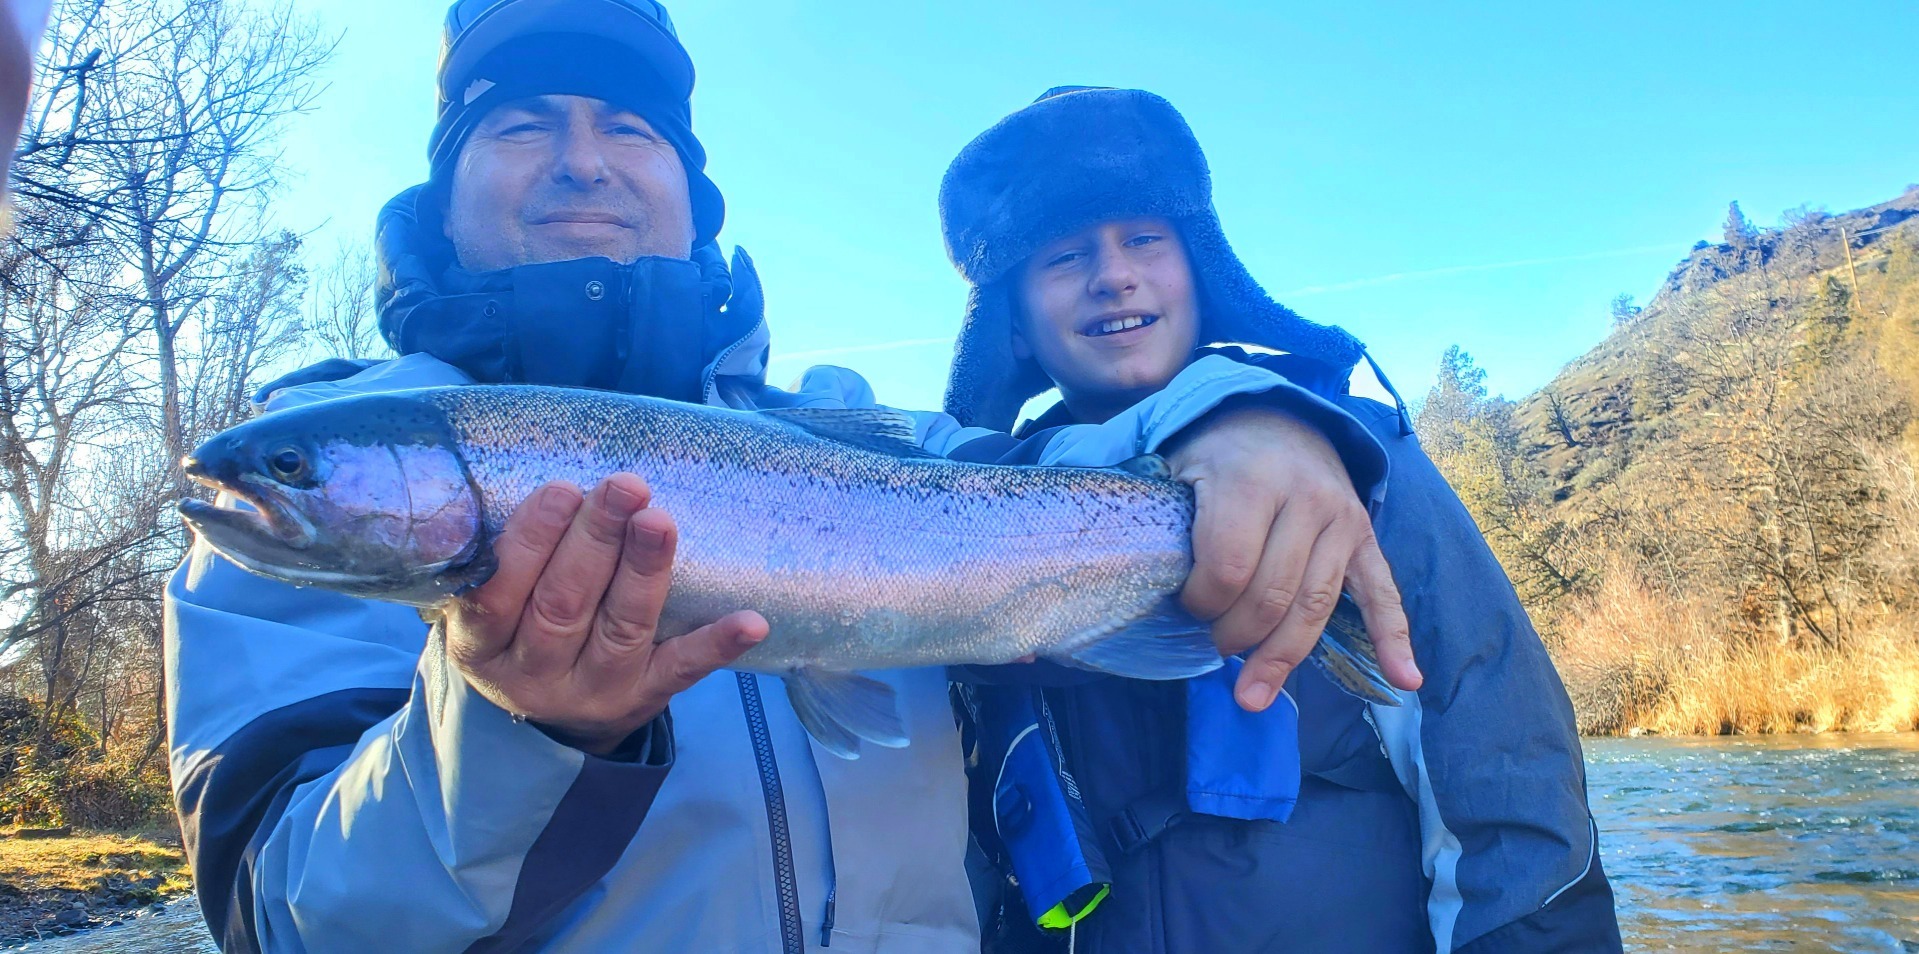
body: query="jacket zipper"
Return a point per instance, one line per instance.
(710, 380)
(791, 938)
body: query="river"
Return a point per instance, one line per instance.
(1792, 843)
(1774, 843)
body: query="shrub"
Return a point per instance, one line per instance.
(61, 778)
(110, 797)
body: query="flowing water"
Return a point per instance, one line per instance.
(1791, 843)
(1773, 843)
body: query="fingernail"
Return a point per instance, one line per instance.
(649, 537)
(621, 500)
(557, 505)
(1258, 695)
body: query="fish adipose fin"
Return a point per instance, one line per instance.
(839, 709)
(1169, 644)
(1346, 655)
(871, 428)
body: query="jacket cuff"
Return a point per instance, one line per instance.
(1363, 456)
(650, 745)
(1581, 919)
(1217, 383)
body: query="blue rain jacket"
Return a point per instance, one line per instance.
(1455, 822)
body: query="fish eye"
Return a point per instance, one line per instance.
(287, 464)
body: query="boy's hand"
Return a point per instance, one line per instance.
(1279, 529)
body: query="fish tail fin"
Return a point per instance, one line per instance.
(1168, 643)
(1345, 653)
(839, 709)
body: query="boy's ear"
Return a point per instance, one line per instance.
(1021, 349)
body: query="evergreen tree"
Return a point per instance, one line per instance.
(1456, 399)
(1623, 310)
(1739, 231)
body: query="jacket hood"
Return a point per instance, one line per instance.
(666, 327)
(1075, 157)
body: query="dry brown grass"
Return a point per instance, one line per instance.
(1637, 661)
(88, 862)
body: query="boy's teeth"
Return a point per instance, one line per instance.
(1115, 325)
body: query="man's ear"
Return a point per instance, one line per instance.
(1021, 349)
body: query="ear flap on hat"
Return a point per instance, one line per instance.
(987, 384)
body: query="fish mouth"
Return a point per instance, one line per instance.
(272, 519)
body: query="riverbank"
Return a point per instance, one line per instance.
(66, 883)
(1636, 662)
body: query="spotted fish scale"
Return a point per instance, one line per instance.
(859, 559)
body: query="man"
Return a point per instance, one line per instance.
(350, 781)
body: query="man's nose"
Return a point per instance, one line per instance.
(1113, 274)
(579, 159)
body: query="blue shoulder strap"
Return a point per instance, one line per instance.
(1042, 822)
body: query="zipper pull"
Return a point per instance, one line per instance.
(826, 923)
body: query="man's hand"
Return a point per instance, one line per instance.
(563, 632)
(1279, 529)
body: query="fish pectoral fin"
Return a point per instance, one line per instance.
(839, 709)
(1345, 653)
(1146, 465)
(871, 428)
(1168, 644)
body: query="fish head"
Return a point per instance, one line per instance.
(365, 495)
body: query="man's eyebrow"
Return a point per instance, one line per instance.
(544, 107)
(609, 111)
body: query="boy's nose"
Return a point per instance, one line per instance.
(1113, 275)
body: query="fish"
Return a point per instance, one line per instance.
(860, 549)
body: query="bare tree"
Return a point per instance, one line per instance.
(340, 318)
(65, 394)
(1559, 415)
(141, 296)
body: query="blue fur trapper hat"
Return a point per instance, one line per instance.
(1075, 157)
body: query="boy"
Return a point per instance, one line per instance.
(1454, 822)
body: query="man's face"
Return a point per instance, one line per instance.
(554, 178)
(1109, 313)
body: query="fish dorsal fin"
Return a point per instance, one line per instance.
(1147, 465)
(872, 428)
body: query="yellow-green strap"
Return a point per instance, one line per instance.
(1060, 919)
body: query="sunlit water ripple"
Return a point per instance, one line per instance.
(1795, 843)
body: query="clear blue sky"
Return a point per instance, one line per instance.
(1423, 174)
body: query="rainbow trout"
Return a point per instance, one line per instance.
(861, 550)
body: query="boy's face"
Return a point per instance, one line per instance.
(1109, 313)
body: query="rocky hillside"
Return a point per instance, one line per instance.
(1605, 408)
(1713, 515)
